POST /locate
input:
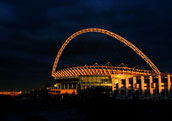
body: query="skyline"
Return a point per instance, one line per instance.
(32, 33)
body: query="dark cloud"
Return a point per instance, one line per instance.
(32, 32)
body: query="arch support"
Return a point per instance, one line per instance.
(103, 31)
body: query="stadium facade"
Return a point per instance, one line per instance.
(120, 80)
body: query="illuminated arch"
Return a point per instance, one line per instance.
(103, 31)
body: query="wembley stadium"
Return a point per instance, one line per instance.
(121, 80)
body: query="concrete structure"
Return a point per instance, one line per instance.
(123, 81)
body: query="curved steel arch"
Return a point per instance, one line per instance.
(103, 31)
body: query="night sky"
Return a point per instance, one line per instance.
(32, 31)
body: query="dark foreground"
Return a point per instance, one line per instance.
(73, 108)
